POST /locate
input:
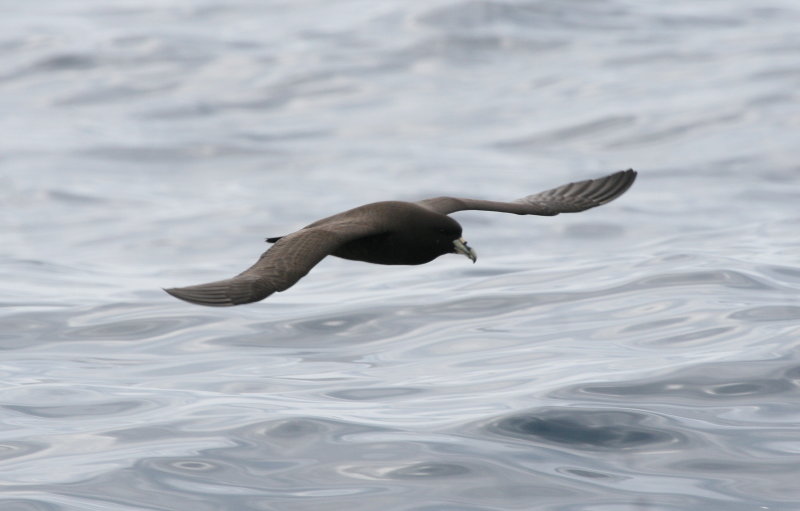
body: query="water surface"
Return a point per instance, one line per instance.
(640, 356)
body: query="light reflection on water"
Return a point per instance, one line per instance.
(638, 356)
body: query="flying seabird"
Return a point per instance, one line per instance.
(390, 232)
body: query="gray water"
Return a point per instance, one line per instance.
(638, 356)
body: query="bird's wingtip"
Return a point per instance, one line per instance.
(211, 296)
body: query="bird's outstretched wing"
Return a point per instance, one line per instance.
(279, 268)
(569, 198)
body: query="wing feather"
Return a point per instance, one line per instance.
(568, 198)
(279, 268)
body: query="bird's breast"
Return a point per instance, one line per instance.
(387, 249)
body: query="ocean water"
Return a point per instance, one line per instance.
(638, 356)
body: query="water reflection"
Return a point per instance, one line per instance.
(589, 429)
(638, 356)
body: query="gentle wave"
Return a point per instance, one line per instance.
(637, 356)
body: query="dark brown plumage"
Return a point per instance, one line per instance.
(391, 232)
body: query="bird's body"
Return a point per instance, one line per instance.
(389, 232)
(389, 245)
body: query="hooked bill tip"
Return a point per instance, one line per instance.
(461, 247)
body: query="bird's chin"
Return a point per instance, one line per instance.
(460, 247)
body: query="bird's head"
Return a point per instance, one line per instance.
(448, 233)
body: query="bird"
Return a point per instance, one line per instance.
(392, 233)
